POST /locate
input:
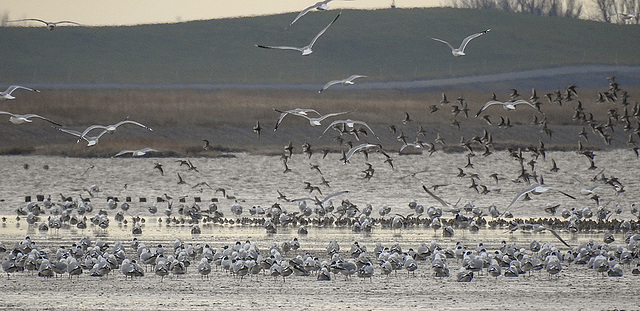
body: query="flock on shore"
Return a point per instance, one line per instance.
(357, 137)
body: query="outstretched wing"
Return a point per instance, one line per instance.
(466, 40)
(330, 83)
(485, 106)
(27, 116)
(279, 47)
(303, 13)
(435, 196)
(445, 42)
(323, 30)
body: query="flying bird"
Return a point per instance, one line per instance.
(460, 51)
(345, 82)
(7, 93)
(295, 112)
(305, 50)
(135, 153)
(49, 25)
(320, 6)
(25, 118)
(508, 105)
(111, 128)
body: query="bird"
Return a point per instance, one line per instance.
(345, 82)
(349, 123)
(316, 121)
(296, 111)
(457, 52)
(538, 228)
(365, 146)
(257, 128)
(320, 6)
(25, 118)
(446, 206)
(305, 50)
(91, 140)
(111, 128)
(508, 105)
(50, 25)
(534, 189)
(136, 153)
(7, 93)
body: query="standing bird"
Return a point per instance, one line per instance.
(457, 52)
(7, 93)
(305, 50)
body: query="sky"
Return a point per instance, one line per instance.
(132, 12)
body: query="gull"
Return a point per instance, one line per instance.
(538, 228)
(296, 112)
(345, 82)
(508, 105)
(357, 148)
(136, 153)
(460, 51)
(24, 118)
(305, 50)
(535, 189)
(320, 6)
(316, 121)
(350, 123)
(446, 207)
(49, 25)
(91, 140)
(111, 128)
(7, 94)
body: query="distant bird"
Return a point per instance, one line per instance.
(257, 128)
(7, 93)
(49, 25)
(158, 166)
(25, 118)
(345, 82)
(460, 51)
(508, 105)
(136, 153)
(112, 128)
(207, 145)
(305, 50)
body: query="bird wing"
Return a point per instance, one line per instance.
(66, 22)
(353, 77)
(303, 12)
(331, 115)
(445, 204)
(329, 84)
(131, 122)
(365, 124)
(558, 236)
(123, 152)
(519, 195)
(466, 40)
(323, 30)
(279, 47)
(332, 124)
(31, 19)
(331, 196)
(445, 42)
(522, 101)
(27, 116)
(15, 87)
(9, 113)
(355, 149)
(90, 128)
(486, 105)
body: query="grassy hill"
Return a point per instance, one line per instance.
(387, 45)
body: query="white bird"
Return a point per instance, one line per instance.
(534, 189)
(91, 140)
(295, 112)
(7, 94)
(136, 153)
(508, 105)
(316, 121)
(446, 207)
(320, 6)
(111, 128)
(460, 51)
(347, 81)
(349, 123)
(24, 118)
(49, 25)
(360, 147)
(305, 50)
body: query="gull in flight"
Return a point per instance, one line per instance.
(320, 6)
(534, 189)
(538, 228)
(49, 25)
(345, 82)
(316, 121)
(508, 105)
(91, 140)
(295, 112)
(349, 123)
(7, 94)
(136, 153)
(111, 128)
(366, 146)
(446, 207)
(460, 51)
(305, 50)
(25, 118)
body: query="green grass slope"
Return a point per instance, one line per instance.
(387, 45)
